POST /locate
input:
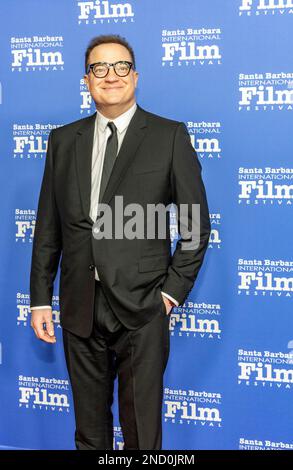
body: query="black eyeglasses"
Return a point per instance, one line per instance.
(101, 69)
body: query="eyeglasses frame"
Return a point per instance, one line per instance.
(108, 64)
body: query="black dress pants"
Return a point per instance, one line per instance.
(139, 358)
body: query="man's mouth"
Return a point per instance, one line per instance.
(113, 88)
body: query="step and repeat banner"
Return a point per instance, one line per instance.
(224, 67)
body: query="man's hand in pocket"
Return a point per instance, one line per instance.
(168, 304)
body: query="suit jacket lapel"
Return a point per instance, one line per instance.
(83, 159)
(84, 146)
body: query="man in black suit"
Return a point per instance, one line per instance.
(116, 292)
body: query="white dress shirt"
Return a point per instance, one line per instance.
(101, 134)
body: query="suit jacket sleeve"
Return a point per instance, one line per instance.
(47, 244)
(187, 188)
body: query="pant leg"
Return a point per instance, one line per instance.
(141, 361)
(141, 357)
(92, 371)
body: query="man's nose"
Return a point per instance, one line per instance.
(111, 76)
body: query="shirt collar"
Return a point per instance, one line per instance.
(121, 122)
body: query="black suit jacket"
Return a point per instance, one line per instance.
(156, 164)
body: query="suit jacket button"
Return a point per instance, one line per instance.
(91, 267)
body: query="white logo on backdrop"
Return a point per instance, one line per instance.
(265, 186)
(30, 140)
(105, 12)
(264, 369)
(86, 101)
(265, 7)
(37, 53)
(265, 91)
(191, 407)
(196, 320)
(23, 310)
(265, 278)
(263, 444)
(25, 221)
(205, 138)
(43, 393)
(215, 240)
(187, 47)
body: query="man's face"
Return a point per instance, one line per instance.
(112, 89)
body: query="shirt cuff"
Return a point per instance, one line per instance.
(175, 302)
(41, 306)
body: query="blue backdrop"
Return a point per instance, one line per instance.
(225, 69)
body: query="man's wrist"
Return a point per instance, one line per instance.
(39, 307)
(171, 300)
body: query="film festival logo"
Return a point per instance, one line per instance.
(30, 140)
(263, 444)
(44, 393)
(265, 91)
(265, 186)
(37, 53)
(265, 278)
(173, 227)
(205, 138)
(23, 310)
(25, 221)
(193, 408)
(191, 47)
(104, 12)
(86, 100)
(265, 7)
(118, 440)
(265, 369)
(196, 320)
(215, 240)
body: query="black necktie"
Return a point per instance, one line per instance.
(109, 159)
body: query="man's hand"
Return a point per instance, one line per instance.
(38, 318)
(168, 304)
